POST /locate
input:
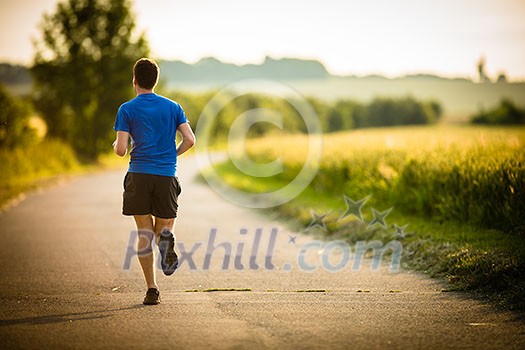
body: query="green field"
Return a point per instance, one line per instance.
(460, 190)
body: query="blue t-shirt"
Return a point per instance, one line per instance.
(152, 121)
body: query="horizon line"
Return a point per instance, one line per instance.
(370, 74)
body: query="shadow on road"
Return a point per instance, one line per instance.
(69, 317)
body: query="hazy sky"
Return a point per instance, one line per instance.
(391, 37)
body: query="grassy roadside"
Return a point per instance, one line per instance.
(43, 164)
(489, 262)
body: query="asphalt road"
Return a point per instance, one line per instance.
(65, 283)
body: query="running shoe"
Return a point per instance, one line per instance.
(169, 260)
(152, 297)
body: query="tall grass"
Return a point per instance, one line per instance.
(474, 175)
(26, 167)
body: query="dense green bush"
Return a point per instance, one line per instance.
(46, 158)
(404, 111)
(14, 121)
(26, 167)
(507, 113)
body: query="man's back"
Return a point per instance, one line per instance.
(152, 122)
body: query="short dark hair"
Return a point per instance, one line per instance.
(146, 72)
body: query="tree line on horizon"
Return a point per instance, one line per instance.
(344, 114)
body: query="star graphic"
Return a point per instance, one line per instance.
(379, 217)
(353, 207)
(291, 238)
(400, 231)
(318, 220)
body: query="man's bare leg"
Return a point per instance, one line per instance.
(145, 252)
(163, 224)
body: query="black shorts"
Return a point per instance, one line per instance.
(150, 194)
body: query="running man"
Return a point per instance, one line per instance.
(150, 186)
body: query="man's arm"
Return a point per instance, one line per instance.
(120, 146)
(188, 138)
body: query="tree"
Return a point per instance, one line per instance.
(502, 78)
(82, 70)
(483, 78)
(340, 115)
(433, 111)
(402, 111)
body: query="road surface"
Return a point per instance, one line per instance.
(69, 280)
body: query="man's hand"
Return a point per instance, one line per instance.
(120, 146)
